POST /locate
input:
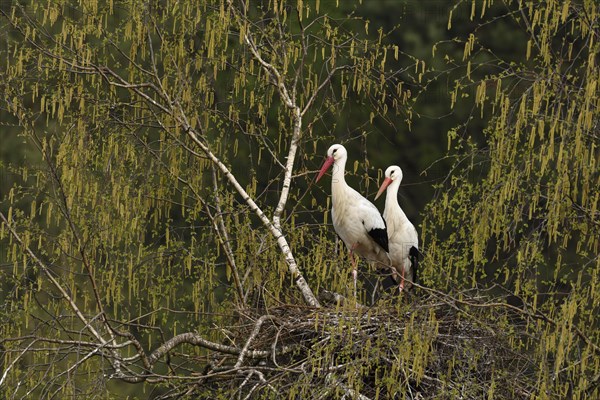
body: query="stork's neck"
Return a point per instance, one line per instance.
(391, 200)
(338, 180)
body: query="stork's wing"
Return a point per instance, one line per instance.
(380, 237)
(374, 224)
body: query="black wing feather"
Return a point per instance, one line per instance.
(380, 237)
(414, 260)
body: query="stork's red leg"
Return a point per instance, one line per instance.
(401, 286)
(354, 267)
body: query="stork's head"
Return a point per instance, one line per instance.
(392, 174)
(334, 153)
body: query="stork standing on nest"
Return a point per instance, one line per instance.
(403, 238)
(355, 219)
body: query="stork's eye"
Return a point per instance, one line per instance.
(334, 150)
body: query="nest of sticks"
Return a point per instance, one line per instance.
(420, 346)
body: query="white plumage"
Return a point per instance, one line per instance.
(403, 238)
(355, 219)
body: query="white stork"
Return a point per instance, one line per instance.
(403, 238)
(355, 219)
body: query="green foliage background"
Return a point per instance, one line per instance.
(490, 109)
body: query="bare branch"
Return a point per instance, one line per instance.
(224, 238)
(57, 285)
(289, 166)
(252, 336)
(7, 370)
(197, 340)
(321, 86)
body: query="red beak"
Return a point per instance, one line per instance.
(384, 185)
(325, 167)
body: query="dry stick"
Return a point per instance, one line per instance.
(261, 377)
(252, 336)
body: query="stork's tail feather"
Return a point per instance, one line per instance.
(414, 260)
